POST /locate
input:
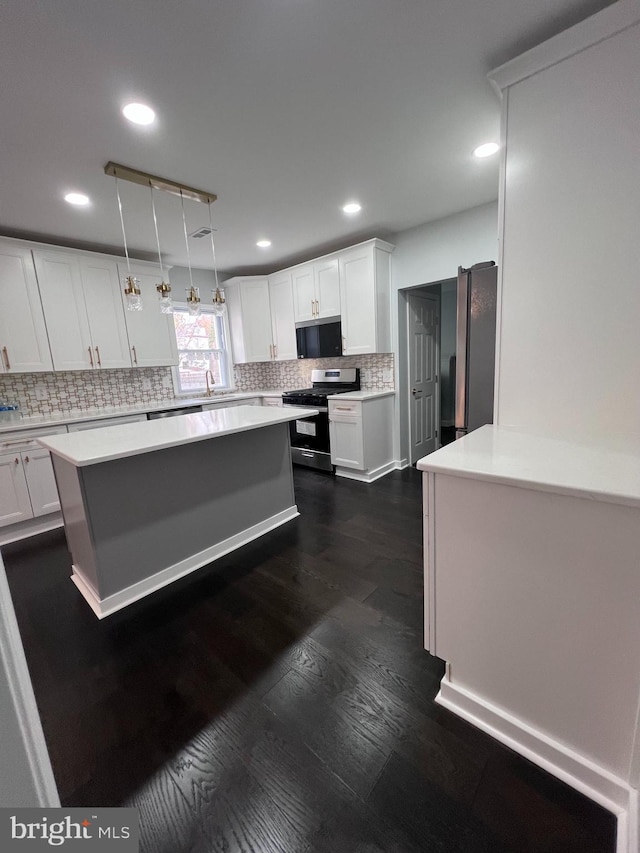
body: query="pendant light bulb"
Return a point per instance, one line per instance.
(164, 297)
(132, 294)
(218, 302)
(193, 300)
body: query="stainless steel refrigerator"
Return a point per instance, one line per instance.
(475, 346)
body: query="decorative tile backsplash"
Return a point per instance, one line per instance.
(71, 391)
(376, 372)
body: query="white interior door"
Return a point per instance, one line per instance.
(423, 374)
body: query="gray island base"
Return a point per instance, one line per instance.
(141, 520)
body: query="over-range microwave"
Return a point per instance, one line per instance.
(319, 338)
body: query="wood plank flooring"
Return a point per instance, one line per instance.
(280, 700)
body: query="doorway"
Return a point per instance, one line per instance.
(423, 350)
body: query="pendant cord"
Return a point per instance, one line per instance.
(213, 249)
(155, 225)
(124, 236)
(186, 241)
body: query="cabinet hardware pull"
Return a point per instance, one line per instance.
(98, 357)
(18, 441)
(135, 355)
(6, 358)
(343, 409)
(317, 308)
(26, 458)
(275, 350)
(90, 356)
(313, 307)
(308, 455)
(271, 350)
(17, 461)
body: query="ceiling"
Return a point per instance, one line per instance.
(286, 109)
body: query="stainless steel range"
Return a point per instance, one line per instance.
(310, 435)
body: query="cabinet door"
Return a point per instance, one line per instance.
(152, 336)
(64, 310)
(358, 301)
(14, 496)
(282, 317)
(304, 293)
(347, 442)
(327, 286)
(41, 482)
(24, 347)
(105, 313)
(256, 313)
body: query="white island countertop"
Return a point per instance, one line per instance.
(513, 458)
(117, 442)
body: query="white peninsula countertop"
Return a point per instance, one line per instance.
(353, 396)
(117, 442)
(502, 455)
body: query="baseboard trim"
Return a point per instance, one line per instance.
(595, 782)
(30, 527)
(366, 476)
(400, 464)
(103, 607)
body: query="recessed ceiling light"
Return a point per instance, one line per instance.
(486, 150)
(78, 199)
(263, 244)
(352, 207)
(138, 113)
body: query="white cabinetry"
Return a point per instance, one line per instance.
(261, 318)
(226, 404)
(83, 311)
(152, 337)
(283, 330)
(274, 402)
(106, 422)
(364, 298)
(27, 484)
(360, 436)
(316, 290)
(24, 347)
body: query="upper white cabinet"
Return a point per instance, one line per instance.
(152, 336)
(283, 330)
(261, 318)
(24, 347)
(364, 298)
(83, 311)
(316, 290)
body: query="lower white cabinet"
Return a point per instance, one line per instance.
(106, 422)
(273, 401)
(227, 404)
(27, 483)
(361, 437)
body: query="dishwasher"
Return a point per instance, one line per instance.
(173, 413)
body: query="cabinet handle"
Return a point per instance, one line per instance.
(271, 350)
(343, 409)
(26, 458)
(17, 461)
(313, 307)
(19, 441)
(275, 350)
(90, 356)
(7, 363)
(317, 308)
(135, 355)
(98, 357)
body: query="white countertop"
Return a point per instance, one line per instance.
(514, 458)
(90, 447)
(360, 395)
(79, 415)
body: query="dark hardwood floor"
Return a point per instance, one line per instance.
(280, 700)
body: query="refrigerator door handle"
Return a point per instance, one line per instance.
(462, 337)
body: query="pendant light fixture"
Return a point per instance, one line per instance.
(133, 298)
(193, 293)
(164, 289)
(218, 296)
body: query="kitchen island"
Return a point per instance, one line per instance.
(147, 503)
(532, 587)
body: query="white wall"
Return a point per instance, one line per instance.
(427, 254)
(569, 358)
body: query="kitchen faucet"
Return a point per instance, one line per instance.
(209, 387)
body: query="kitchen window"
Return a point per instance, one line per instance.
(202, 346)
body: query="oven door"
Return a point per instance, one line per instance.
(310, 439)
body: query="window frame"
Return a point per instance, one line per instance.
(225, 350)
